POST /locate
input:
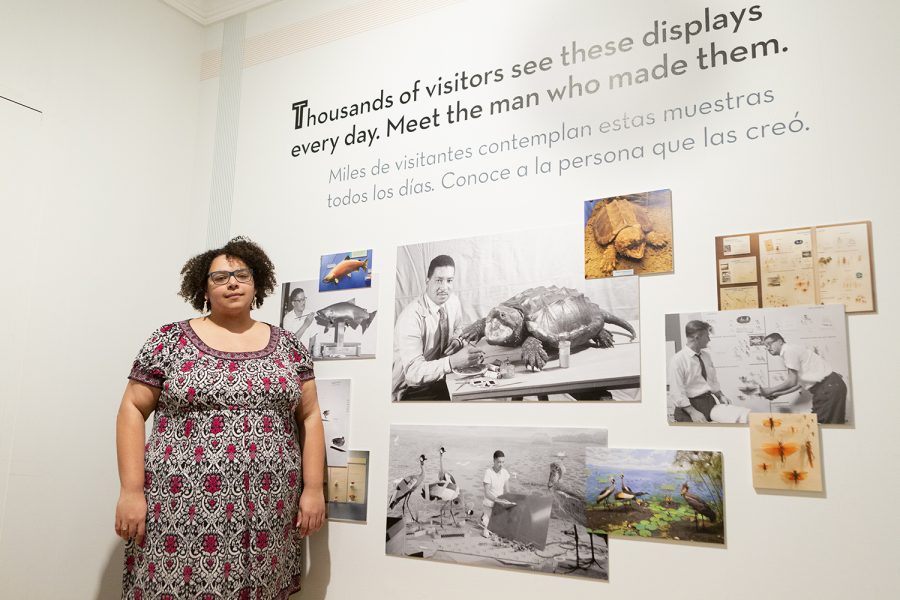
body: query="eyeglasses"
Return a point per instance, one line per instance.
(222, 277)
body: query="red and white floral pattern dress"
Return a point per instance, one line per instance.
(222, 470)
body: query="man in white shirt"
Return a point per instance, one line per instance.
(496, 483)
(695, 388)
(425, 328)
(808, 370)
(293, 320)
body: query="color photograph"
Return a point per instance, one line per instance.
(785, 450)
(345, 270)
(725, 365)
(672, 495)
(348, 498)
(510, 317)
(503, 497)
(332, 325)
(628, 235)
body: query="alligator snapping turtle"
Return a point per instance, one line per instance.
(623, 228)
(539, 318)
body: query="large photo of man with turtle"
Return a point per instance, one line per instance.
(510, 317)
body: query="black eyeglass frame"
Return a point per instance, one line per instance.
(231, 274)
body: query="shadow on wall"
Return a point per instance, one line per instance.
(318, 567)
(110, 584)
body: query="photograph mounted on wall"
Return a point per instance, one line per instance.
(827, 264)
(334, 403)
(334, 325)
(785, 452)
(725, 365)
(510, 316)
(504, 497)
(345, 270)
(348, 489)
(628, 235)
(662, 494)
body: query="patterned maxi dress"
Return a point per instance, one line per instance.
(222, 466)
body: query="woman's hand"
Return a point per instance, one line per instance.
(131, 516)
(311, 514)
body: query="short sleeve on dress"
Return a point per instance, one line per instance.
(301, 359)
(149, 365)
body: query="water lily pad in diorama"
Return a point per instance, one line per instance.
(645, 533)
(652, 527)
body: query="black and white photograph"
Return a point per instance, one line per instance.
(336, 325)
(725, 365)
(334, 402)
(510, 317)
(503, 497)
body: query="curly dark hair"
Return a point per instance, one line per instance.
(195, 270)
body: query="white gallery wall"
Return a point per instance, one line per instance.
(98, 213)
(105, 192)
(837, 75)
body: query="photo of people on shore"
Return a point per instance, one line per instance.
(510, 317)
(725, 365)
(504, 497)
(660, 494)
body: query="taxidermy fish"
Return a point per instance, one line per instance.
(345, 267)
(345, 312)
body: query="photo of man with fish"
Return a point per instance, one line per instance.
(519, 322)
(332, 325)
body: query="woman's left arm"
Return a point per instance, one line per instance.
(311, 514)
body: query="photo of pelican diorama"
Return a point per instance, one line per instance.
(510, 317)
(725, 365)
(332, 325)
(785, 452)
(345, 270)
(662, 494)
(507, 497)
(348, 498)
(334, 402)
(628, 234)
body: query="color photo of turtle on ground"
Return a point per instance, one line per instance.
(332, 325)
(663, 494)
(628, 234)
(510, 317)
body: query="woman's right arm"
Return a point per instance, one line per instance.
(138, 401)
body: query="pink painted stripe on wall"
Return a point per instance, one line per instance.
(331, 26)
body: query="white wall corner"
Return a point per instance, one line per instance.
(207, 12)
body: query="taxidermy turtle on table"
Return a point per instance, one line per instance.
(539, 318)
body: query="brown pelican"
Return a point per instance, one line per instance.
(698, 504)
(445, 489)
(407, 486)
